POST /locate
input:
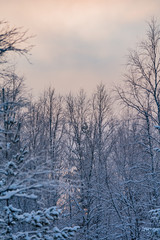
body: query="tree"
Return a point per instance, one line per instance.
(141, 95)
(78, 163)
(153, 232)
(143, 89)
(88, 129)
(13, 40)
(17, 178)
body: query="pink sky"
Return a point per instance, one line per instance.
(78, 43)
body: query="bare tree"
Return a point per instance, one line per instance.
(13, 40)
(142, 91)
(18, 178)
(88, 131)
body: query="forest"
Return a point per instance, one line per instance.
(79, 166)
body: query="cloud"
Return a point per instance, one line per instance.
(82, 39)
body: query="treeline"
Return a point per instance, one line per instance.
(99, 167)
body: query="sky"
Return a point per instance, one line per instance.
(78, 43)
